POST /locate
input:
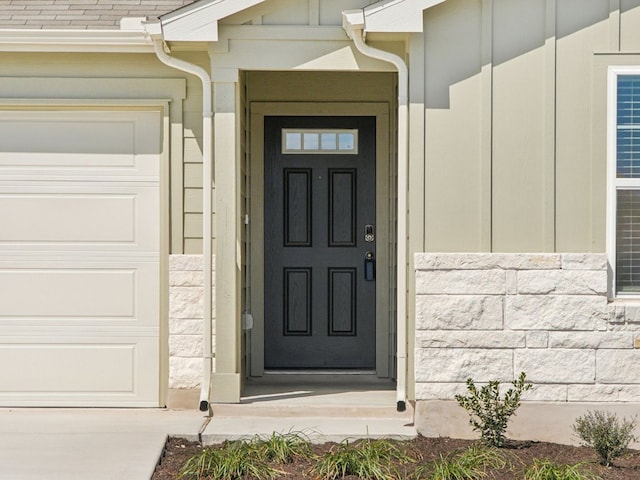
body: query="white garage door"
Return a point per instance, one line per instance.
(79, 257)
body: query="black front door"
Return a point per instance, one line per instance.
(320, 210)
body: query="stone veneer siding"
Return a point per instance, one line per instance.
(185, 320)
(491, 316)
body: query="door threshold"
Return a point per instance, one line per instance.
(320, 372)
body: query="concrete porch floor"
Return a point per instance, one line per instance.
(324, 407)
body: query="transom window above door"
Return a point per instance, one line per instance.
(319, 141)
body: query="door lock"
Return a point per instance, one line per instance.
(369, 235)
(369, 266)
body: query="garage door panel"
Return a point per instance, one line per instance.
(79, 141)
(72, 371)
(80, 293)
(69, 217)
(80, 256)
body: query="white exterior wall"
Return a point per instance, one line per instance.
(489, 316)
(185, 321)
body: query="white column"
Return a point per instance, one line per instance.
(225, 386)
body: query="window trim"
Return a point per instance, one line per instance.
(613, 183)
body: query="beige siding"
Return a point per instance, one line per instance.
(580, 23)
(518, 126)
(512, 84)
(453, 111)
(629, 21)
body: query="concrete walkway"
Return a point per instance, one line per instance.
(101, 444)
(97, 444)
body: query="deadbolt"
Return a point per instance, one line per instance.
(369, 235)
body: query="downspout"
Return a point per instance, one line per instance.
(354, 23)
(155, 32)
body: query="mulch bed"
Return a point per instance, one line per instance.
(520, 455)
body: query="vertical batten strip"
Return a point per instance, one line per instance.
(486, 133)
(549, 162)
(614, 25)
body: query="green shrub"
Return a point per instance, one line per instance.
(488, 412)
(547, 470)
(605, 433)
(367, 459)
(469, 464)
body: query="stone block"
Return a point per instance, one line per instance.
(486, 261)
(555, 312)
(632, 313)
(590, 340)
(185, 345)
(556, 366)
(452, 365)
(463, 312)
(616, 313)
(546, 393)
(185, 262)
(185, 372)
(512, 282)
(469, 339)
(467, 282)
(563, 282)
(185, 302)
(603, 393)
(537, 339)
(181, 278)
(184, 326)
(439, 391)
(584, 261)
(618, 366)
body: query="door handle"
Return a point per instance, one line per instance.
(369, 266)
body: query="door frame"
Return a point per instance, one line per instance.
(385, 318)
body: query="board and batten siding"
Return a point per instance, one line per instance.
(511, 161)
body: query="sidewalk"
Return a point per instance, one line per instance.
(80, 444)
(109, 444)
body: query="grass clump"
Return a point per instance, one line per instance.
(370, 459)
(231, 461)
(605, 433)
(548, 470)
(489, 412)
(282, 448)
(469, 464)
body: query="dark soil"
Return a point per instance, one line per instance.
(520, 454)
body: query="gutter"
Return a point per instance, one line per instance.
(353, 22)
(154, 30)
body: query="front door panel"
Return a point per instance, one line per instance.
(319, 297)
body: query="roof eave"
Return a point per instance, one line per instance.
(397, 16)
(110, 41)
(198, 21)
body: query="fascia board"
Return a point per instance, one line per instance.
(199, 21)
(112, 41)
(397, 15)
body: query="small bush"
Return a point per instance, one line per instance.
(547, 470)
(470, 464)
(488, 412)
(605, 433)
(368, 459)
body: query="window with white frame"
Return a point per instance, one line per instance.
(624, 179)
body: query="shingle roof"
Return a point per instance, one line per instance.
(80, 14)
